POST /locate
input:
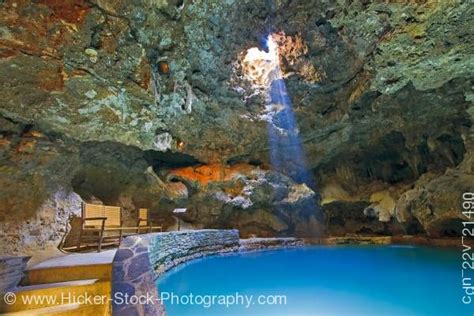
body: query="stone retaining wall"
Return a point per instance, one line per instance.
(252, 244)
(174, 248)
(143, 258)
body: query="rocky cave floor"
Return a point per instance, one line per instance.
(147, 104)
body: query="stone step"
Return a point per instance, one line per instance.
(68, 273)
(72, 267)
(61, 293)
(65, 310)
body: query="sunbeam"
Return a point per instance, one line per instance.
(286, 150)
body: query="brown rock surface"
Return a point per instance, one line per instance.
(143, 104)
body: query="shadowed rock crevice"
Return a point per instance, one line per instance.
(169, 159)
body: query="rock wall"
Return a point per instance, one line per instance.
(106, 99)
(256, 201)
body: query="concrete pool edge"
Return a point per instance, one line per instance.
(138, 262)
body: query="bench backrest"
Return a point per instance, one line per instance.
(112, 213)
(143, 217)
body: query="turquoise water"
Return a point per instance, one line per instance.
(341, 280)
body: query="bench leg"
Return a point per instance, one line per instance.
(79, 240)
(99, 248)
(120, 237)
(101, 236)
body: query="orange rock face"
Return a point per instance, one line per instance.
(34, 133)
(41, 32)
(4, 142)
(26, 146)
(51, 79)
(70, 11)
(212, 173)
(143, 73)
(290, 48)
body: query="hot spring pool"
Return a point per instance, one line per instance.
(340, 280)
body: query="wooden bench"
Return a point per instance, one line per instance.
(100, 225)
(103, 225)
(144, 223)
